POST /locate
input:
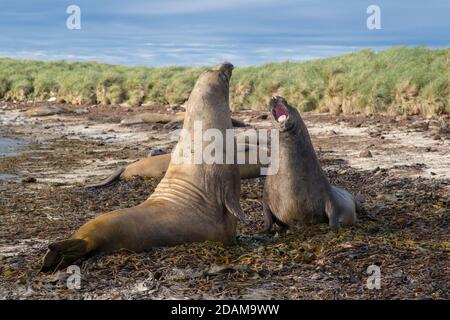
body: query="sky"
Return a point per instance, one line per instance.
(205, 32)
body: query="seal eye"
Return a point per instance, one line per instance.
(280, 112)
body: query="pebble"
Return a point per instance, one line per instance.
(29, 180)
(365, 154)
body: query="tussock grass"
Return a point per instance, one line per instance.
(398, 80)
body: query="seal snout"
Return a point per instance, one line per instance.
(227, 65)
(226, 70)
(278, 109)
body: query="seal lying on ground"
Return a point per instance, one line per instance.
(152, 117)
(192, 203)
(156, 167)
(44, 111)
(299, 193)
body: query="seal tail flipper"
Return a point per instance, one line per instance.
(115, 176)
(62, 254)
(235, 209)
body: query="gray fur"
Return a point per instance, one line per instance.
(300, 192)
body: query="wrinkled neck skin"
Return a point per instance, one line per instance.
(297, 152)
(188, 184)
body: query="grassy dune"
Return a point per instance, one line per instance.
(396, 81)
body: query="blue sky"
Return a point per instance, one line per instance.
(204, 32)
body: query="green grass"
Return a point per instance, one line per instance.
(398, 80)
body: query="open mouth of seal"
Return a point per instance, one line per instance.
(280, 112)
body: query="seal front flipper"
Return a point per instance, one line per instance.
(62, 254)
(234, 207)
(268, 219)
(333, 215)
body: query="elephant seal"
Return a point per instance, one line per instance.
(300, 193)
(44, 111)
(152, 117)
(156, 166)
(192, 203)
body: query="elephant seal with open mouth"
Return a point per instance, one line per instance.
(192, 203)
(300, 193)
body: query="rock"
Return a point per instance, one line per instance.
(173, 125)
(58, 279)
(263, 116)
(420, 125)
(365, 154)
(52, 99)
(29, 180)
(237, 123)
(251, 195)
(437, 137)
(215, 269)
(242, 268)
(82, 111)
(375, 134)
(388, 197)
(156, 152)
(182, 274)
(176, 107)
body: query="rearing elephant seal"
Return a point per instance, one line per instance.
(299, 193)
(192, 203)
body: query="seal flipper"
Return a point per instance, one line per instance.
(268, 219)
(113, 177)
(62, 254)
(234, 207)
(332, 214)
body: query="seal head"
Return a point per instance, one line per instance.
(284, 117)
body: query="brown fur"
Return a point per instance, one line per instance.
(191, 203)
(156, 166)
